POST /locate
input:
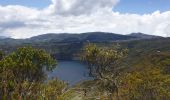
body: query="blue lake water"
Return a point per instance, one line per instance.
(70, 71)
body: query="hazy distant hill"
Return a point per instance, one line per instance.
(143, 36)
(66, 46)
(75, 38)
(3, 37)
(83, 37)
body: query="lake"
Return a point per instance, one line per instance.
(70, 71)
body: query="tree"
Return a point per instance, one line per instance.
(1, 55)
(28, 64)
(104, 65)
(24, 65)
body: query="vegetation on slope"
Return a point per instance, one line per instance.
(22, 76)
(148, 79)
(142, 73)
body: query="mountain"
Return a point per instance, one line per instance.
(66, 46)
(3, 37)
(89, 36)
(96, 37)
(143, 36)
(83, 37)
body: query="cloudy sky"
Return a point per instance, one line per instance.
(27, 18)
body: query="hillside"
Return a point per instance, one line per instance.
(82, 37)
(67, 46)
(142, 48)
(143, 36)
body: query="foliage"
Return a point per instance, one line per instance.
(28, 64)
(54, 89)
(1, 55)
(104, 65)
(51, 90)
(148, 69)
(162, 60)
(149, 78)
(102, 61)
(147, 84)
(22, 76)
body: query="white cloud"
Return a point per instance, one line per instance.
(76, 16)
(78, 7)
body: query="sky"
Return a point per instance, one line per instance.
(27, 18)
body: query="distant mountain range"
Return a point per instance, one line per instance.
(95, 37)
(83, 37)
(66, 45)
(3, 37)
(90, 36)
(143, 36)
